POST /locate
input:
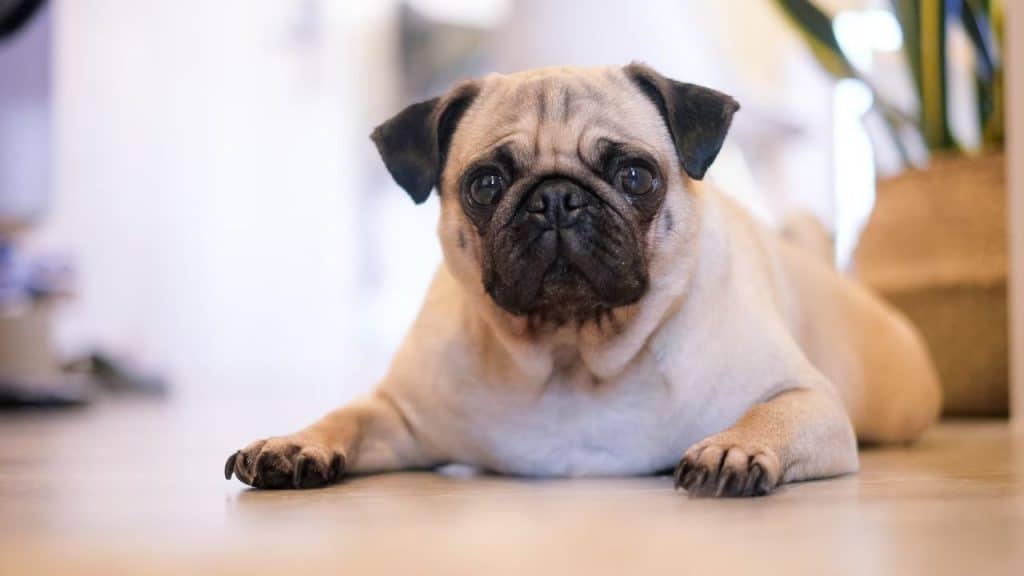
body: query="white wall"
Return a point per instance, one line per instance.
(211, 162)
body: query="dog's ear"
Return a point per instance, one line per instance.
(698, 118)
(414, 143)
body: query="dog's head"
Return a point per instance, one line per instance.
(560, 188)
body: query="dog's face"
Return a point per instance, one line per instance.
(560, 188)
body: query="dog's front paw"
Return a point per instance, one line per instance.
(285, 462)
(722, 467)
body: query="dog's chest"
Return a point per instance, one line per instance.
(577, 425)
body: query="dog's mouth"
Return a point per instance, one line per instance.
(559, 274)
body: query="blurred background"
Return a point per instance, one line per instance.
(191, 208)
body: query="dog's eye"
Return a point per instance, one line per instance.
(636, 180)
(486, 189)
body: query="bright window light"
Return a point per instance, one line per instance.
(861, 33)
(477, 13)
(854, 166)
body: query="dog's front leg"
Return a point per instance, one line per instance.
(370, 435)
(798, 434)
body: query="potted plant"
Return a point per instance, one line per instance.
(935, 245)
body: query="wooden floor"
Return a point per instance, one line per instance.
(137, 488)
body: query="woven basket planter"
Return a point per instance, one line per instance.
(935, 248)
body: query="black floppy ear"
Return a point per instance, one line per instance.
(414, 143)
(698, 118)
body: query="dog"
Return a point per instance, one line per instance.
(601, 310)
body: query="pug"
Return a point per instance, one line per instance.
(602, 311)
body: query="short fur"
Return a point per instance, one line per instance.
(700, 340)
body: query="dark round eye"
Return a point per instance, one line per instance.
(486, 189)
(636, 180)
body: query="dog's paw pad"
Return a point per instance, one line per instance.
(285, 463)
(723, 469)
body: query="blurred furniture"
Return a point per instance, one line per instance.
(25, 348)
(30, 370)
(935, 247)
(30, 374)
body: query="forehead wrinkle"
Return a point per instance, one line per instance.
(557, 136)
(587, 144)
(511, 144)
(633, 145)
(555, 139)
(566, 104)
(505, 138)
(559, 101)
(542, 100)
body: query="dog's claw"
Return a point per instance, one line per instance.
(723, 482)
(299, 474)
(680, 472)
(752, 486)
(694, 480)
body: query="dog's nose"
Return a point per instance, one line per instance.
(559, 201)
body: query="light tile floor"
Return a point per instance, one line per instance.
(137, 488)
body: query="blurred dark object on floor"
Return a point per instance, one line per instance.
(60, 392)
(935, 247)
(117, 375)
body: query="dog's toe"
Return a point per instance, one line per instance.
(311, 470)
(273, 470)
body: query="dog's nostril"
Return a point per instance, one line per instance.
(539, 203)
(573, 200)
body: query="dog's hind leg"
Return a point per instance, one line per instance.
(805, 231)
